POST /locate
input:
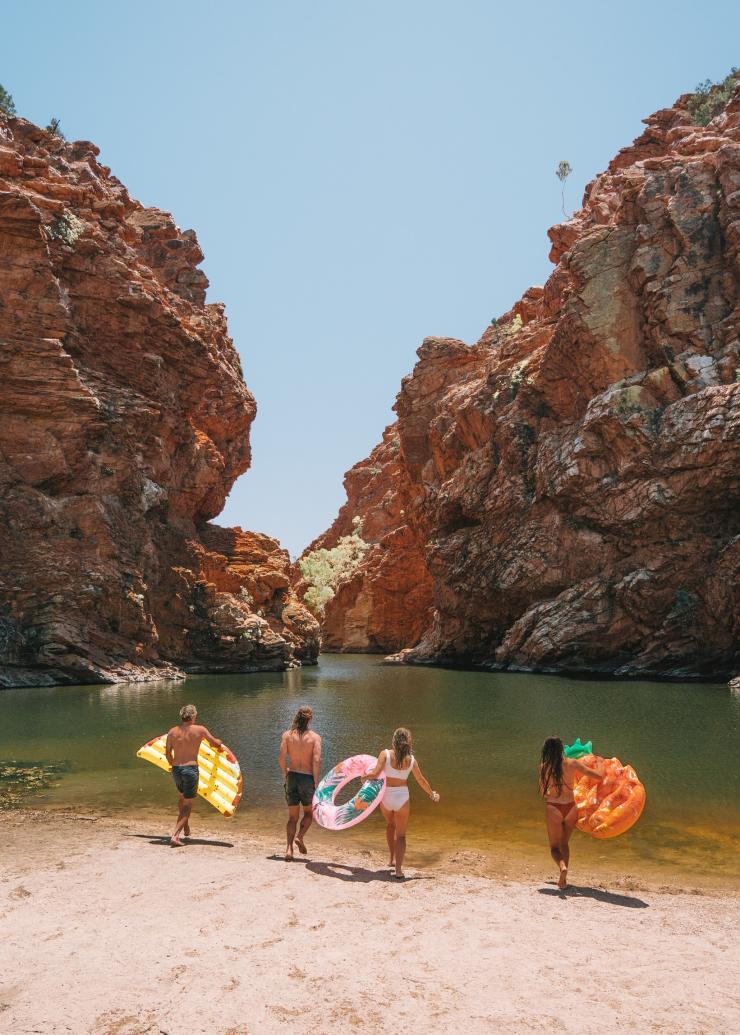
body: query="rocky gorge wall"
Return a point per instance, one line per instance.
(124, 422)
(563, 495)
(386, 603)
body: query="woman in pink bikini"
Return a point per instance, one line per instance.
(398, 763)
(557, 775)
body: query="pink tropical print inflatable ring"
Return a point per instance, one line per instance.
(339, 817)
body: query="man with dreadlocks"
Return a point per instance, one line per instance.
(300, 759)
(557, 775)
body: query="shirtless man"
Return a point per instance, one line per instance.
(183, 744)
(300, 758)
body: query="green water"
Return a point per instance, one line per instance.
(476, 736)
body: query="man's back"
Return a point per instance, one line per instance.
(185, 742)
(301, 749)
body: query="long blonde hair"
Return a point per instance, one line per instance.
(401, 746)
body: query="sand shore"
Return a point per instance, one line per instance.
(108, 931)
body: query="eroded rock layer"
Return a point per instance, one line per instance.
(124, 421)
(386, 604)
(571, 481)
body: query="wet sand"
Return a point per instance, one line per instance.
(108, 931)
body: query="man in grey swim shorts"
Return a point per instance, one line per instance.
(300, 760)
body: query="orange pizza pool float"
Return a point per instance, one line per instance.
(608, 807)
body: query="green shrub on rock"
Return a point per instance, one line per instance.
(710, 98)
(55, 128)
(323, 570)
(7, 104)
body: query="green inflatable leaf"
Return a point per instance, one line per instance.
(577, 749)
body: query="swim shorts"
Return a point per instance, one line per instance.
(299, 788)
(186, 779)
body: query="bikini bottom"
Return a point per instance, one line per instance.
(395, 798)
(563, 807)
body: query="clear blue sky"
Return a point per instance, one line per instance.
(359, 175)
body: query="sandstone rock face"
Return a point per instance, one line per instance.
(124, 421)
(571, 481)
(386, 604)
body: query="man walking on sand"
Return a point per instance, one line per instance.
(181, 749)
(300, 758)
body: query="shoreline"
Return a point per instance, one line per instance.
(223, 937)
(170, 672)
(477, 858)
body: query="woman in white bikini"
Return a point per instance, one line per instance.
(398, 764)
(557, 774)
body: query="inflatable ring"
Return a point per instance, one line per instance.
(367, 799)
(608, 807)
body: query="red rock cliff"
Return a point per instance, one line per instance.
(124, 421)
(570, 483)
(386, 604)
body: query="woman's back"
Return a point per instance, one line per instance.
(396, 775)
(564, 793)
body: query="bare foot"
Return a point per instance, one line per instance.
(301, 846)
(399, 876)
(175, 842)
(289, 855)
(563, 881)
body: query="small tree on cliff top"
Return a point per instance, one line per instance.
(55, 128)
(323, 570)
(562, 172)
(7, 104)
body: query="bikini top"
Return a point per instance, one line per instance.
(553, 792)
(397, 774)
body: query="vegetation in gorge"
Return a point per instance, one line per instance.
(323, 570)
(710, 98)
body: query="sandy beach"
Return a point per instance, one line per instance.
(108, 931)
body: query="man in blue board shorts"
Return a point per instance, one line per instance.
(300, 759)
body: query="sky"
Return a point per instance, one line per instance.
(360, 175)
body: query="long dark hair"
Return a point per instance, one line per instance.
(401, 746)
(551, 765)
(302, 718)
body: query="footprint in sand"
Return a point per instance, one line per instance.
(284, 1012)
(117, 1022)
